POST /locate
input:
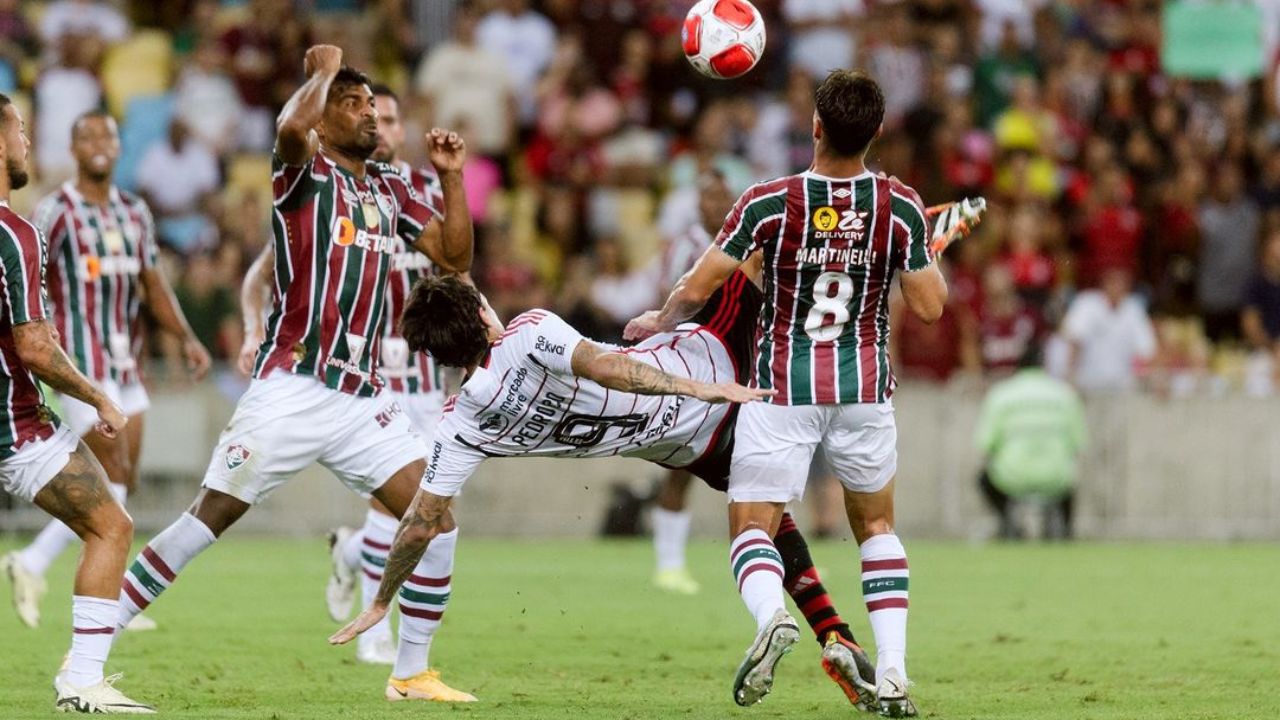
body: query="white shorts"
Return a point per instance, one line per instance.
(286, 422)
(774, 445)
(81, 417)
(35, 464)
(424, 411)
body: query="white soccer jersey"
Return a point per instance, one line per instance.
(525, 400)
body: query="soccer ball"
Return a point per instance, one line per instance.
(723, 38)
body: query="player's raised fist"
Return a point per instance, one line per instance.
(446, 150)
(322, 60)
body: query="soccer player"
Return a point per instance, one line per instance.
(42, 460)
(316, 395)
(413, 378)
(833, 238)
(101, 268)
(537, 387)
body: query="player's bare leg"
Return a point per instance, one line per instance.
(357, 556)
(79, 498)
(159, 563)
(758, 572)
(884, 588)
(28, 566)
(422, 598)
(671, 534)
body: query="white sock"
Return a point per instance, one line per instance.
(670, 536)
(757, 569)
(884, 589)
(93, 624)
(422, 602)
(375, 542)
(159, 563)
(54, 538)
(351, 549)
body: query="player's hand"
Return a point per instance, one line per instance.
(365, 620)
(322, 60)
(447, 151)
(198, 360)
(111, 419)
(732, 393)
(647, 325)
(249, 352)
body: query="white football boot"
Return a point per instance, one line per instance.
(28, 588)
(340, 593)
(100, 698)
(755, 674)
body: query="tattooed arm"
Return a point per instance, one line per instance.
(426, 518)
(39, 350)
(617, 371)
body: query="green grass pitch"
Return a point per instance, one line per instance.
(573, 630)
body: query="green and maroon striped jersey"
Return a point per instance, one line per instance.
(24, 418)
(335, 235)
(405, 371)
(831, 247)
(95, 256)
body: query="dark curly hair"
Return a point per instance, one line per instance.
(442, 317)
(346, 77)
(851, 107)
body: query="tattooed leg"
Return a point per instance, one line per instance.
(79, 497)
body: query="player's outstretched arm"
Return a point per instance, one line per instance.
(616, 371)
(450, 244)
(296, 139)
(39, 350)
(253, 304)
(689, 295)
(426, 519)
(168, 315)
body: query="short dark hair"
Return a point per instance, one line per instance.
(442, 317)
(851, 107)
(5, 101)
(384, 90)
(346, 77)
(87, 114)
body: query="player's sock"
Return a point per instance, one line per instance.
(670, 536)
(93, 624)
(884, 588)
(55, 537)
(757, 569)
(159, 563)
(375, 542)
(802, 583)
(422, 602)
(351, 549)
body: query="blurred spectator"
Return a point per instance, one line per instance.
(65, 91)
(782, 139)
(619, 292)
(682, 249)
(1111, 236)
(823, 34)
(933, 352)
(898, 66)
(210, 306)
(1008, 20)
(1229, 226)
(259, 59)
(1031, 431)
(177, 178)
(206, 99)
(995, 73)
(1009, 329)
(1260, 319)
(81, 19)
(527, 40)
(712, 148)
(17, 41)
(1110, 335)
(1030, 267)
(466, 84)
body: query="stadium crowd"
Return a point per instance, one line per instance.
(1134, 222)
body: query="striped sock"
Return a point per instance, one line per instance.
(92, 628)
(422, 602)
(159, 563)
(375, 542)
(803, 584)
(757, 569)
(884, 588)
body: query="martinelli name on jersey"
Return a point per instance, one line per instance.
(335, 235)
(831, 248)
(525, 400)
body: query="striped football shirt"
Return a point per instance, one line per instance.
(831, 248)
(405, 371)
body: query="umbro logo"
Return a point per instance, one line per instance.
(842, 193)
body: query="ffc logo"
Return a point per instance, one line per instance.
(237, 455)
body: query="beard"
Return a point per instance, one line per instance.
(18, 176)
(359, 147)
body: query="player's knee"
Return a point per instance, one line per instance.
(872, 527)
(110, 524)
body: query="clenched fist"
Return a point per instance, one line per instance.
(322, 60)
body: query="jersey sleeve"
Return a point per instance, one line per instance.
(910, 230)
(415, 210)
(544, 338)
(50, 217)
(23, 254)
(292, 185)
(742, 233)
(450, 463)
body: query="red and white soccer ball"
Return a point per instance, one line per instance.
(723, 38)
